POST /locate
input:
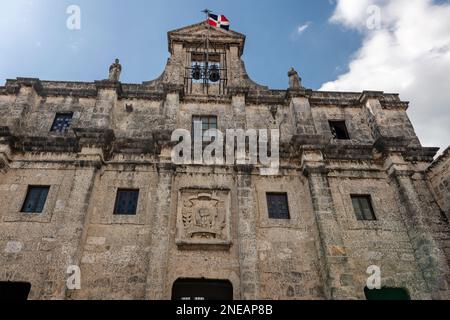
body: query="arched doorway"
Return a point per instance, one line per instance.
(387, 294)
(202, 289)
(17, 291)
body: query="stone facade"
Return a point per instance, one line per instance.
(439, 177)
(212, 222)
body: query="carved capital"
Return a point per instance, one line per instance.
(309, 170)
(244, 168)
(94, 138)
(108, 84)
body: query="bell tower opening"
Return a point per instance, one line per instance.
(206, 70)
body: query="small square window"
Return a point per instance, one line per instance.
(277, 205)
(62, 122)
(35, 199)
(339, 130)
(208, 122)
(363, 207)
(126, 202)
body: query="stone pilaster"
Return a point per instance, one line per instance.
(27, 96)
(108, 93)
(160, 239)
(429, 256)
(174, 72)
(5, 149)
(171, 109)
(302, 116)
(72, 219)
(238, 104)
(336, 268)
(387, 133)
(248, 252)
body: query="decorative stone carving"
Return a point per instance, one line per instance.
(295, 82)
(203, 218)
(114, 71)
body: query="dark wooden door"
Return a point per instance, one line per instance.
(202, 289)
(17, 291)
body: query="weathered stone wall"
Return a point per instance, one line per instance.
(288, 259)
(120, 138)
(384, 242)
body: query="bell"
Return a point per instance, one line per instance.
(196, 72)
(214, 73)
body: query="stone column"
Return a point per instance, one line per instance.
(336, 268)
(248, 252)
(429, 256)
(160, 239)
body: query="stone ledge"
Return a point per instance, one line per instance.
(45, 144)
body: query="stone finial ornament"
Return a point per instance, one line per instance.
(295, 82)
(114, 71)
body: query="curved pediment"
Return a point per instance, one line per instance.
(196, 33)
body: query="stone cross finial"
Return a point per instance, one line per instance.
(295, 82)
(114, 71)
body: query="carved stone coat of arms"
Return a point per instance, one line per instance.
(203, 218)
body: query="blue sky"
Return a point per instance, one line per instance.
(38, 43)
(327, 41)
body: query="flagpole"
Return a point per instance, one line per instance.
(207, 12)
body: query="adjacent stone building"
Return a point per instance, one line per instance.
(439, 176)
(87, 180)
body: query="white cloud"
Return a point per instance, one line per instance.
(408, 53)
(302, 28)
(299, 30)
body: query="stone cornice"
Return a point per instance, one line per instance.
(366, 95)
(253, 95)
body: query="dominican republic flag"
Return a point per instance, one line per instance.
(218, 21)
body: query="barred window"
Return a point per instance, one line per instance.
(62, 122)
(35, 199)
(277, 205)
(362, 204)
(208, 122)
(126, 202)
